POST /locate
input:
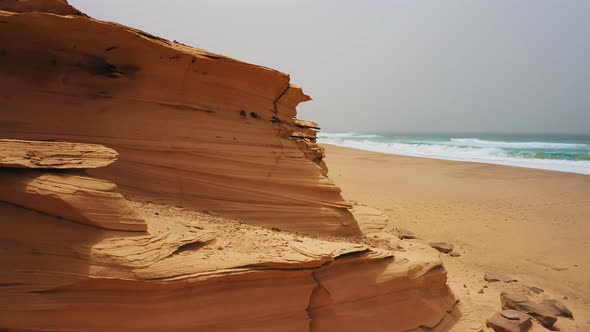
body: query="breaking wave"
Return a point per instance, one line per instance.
(556, 156)
(517, 145)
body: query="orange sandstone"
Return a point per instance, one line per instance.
(194, 132)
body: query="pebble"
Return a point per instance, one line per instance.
(493, 276)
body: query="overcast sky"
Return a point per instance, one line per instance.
(399, 66)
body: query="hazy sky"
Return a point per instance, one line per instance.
(400, 66)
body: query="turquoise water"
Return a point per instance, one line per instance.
(566, 153)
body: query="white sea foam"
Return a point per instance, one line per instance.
(516, 145)
(351, 134)
(484, 154)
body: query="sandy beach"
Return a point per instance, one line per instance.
(161, 167)
(526, 223)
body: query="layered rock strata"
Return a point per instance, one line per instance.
(199, 272)
(194, 131)
(53, 155)
(191, 127)
(48, 177)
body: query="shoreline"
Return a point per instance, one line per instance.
(463, 161)
(528, 223)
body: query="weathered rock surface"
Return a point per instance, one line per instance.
(494, 277)
(306, 124)
(509, 321)
(191, 127)
(521, 303)
(370, 220)
(442, 247)
(511, 314)
(176, 279)
(72, 196)
(558, 308)
(308, 128)
(53, 155)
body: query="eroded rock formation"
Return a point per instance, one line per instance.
(199, 272)
(53, 155)
(194, 131)
(47, 177)
(191, 127)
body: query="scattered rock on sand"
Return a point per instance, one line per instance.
(405, 234)
(559, 269)
(493, 277)
(520, 302)
(509, 321)
(558, 308)
(454, 254)
(442, 246)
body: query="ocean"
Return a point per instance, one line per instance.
(550, 152)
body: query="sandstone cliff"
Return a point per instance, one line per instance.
(191, 127)
(86, 245)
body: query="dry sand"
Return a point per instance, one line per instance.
(530, 224)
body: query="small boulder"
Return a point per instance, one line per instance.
(536, 310)
(442, 247)
(558, 308)
(454, 254)
(509, 321)
(493, 277)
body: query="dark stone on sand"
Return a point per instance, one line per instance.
(558, 308)
(454, 254)
(493, 276)
(442, 246)
(509, 321)
(520, 302)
